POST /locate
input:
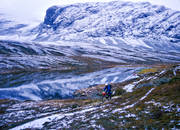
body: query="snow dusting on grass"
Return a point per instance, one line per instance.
(39, 122)
(132, 105)
(147, 94)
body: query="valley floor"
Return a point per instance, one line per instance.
(151, 100)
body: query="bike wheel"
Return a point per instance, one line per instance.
(103, 98)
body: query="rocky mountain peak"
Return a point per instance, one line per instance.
(121, 19)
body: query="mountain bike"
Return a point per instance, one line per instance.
(106, 96)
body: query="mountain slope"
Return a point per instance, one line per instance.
(122, 19)
(121, 32)
(153, 103)
(52, 76)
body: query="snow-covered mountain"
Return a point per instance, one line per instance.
(113, 19)
(76, 50)
(84, 38)
(121, 32)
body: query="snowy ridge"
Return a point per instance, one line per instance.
(126, 31)
(121, 32)
(121, 19)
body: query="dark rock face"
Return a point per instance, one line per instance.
(50, 17)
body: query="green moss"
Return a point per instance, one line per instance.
(168, 92)
(149, 70)
(107, 123)
(174, 80)
(119, 91)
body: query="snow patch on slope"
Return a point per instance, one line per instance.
(132, 105)
(39, 122)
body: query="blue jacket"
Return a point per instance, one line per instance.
(107, 88)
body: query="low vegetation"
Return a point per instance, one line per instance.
(159, 109)
(149, 70)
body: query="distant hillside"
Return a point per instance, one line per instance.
(120, 19)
